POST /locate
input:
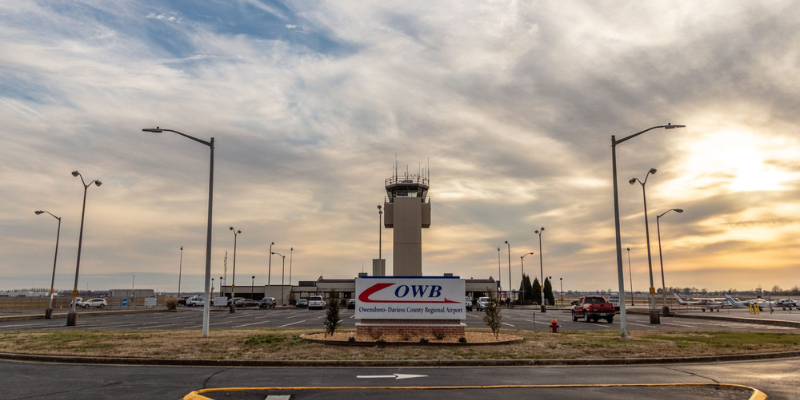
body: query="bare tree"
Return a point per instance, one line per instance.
(492, 316)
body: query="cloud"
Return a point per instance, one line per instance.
(514, 103)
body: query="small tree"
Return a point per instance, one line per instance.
(332, 320)
(492, 316)
(548, 292)
(537, 291)
(528, 289)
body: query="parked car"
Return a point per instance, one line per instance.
(78, 301)
(267, 302)
(99, 303)
(195, 301)
(182, 300)
(468, 303)
(248, 303)
(302, 303)
(351, 304)
(235, 301)
(316, 302)
(482, 303)
(592, 308)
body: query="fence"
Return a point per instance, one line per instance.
(31, 304)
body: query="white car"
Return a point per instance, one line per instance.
(316, 302)
(468, 303)
(482, 303)
(99, 303)
(195, 301)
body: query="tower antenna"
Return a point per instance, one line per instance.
(395, 167)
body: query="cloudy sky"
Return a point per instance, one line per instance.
(513, 102)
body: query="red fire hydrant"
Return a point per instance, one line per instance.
(554, 326)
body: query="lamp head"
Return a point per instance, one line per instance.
(632, 181)
(652, 171)
(231, 228)
(98, 183)
(498, 249)
(379, 207)
(254, 277)
(272, 243)
(156, 130)
(678, 210)
(531, 253)
(536, 232)
(542, 229)
(291, 249)
(238, 232)
(670, 126)
(273, 252)
(75, 173)
(38, 212)
(506, 241)
(181, 247)
(629, 249)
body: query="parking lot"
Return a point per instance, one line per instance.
(303, 318)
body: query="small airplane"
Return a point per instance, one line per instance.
(736, 303)
(711, 305)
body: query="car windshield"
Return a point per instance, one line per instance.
(315, 298)
(595, 300)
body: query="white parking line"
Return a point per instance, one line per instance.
(292, 323)
(259, 322)
(646, 326)
(508, 324)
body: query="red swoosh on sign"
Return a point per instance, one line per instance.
(364, 296)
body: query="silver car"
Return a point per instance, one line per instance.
(99, 303)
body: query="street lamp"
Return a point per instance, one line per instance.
(541, 269)
(72, 316)
(233, 286)
(269, 273)
(252, 286)
(620, 276)
(380, 234)
(630, 276)
(48, 314)
(562, 290)
(212, 289)
(522, 267)
(665, 310)
(510, 288)
(221, 287)
(291, 254)
(180, 272)
(499, 287)
(647, 236)
(283, 257)
(210, 144)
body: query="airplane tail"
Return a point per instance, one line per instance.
(680, 300)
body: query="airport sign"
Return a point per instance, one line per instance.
(410, 298)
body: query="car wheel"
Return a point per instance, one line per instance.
(574, 317)
(102, 306)
(610, 320)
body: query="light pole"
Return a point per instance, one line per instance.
(541, 269)
(212, 288)
(510, 288)
(180, 272)
(665, 309)
(291, 254)
(221, 286)
(522, 267)
(562, 290)
(72, 316)
(283, 257)
(252, 286)
(630, 278)
(620, 273)
(652, 171)
(269, 273)
(499, 286)
(48, 314)
(233, 286)
(210, 144)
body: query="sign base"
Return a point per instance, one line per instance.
(411, 327)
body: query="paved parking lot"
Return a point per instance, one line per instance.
(302, 318)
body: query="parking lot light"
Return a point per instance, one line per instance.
(233, 286)
(661, 258)
(72, 316)
(49, 312)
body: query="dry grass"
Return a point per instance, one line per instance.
(286, 344)
(471, 336)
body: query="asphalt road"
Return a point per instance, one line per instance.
(20, 380)
(302, 318)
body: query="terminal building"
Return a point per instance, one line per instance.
(407, 210)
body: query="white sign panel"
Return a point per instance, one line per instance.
(149, 301)
(410, 298)
(220, 301)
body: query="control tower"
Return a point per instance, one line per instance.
(407, 210)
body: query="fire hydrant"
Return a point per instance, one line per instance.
(554, 326)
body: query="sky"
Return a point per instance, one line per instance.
(514, 104)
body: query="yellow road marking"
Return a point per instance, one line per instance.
(196, 395)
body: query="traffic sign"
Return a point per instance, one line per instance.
(652, 290)
(124, 302)
(233, 287)
(74, 293)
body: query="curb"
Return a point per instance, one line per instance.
(30, 317)
(394, 344)
(387, 363)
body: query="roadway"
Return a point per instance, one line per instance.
(303, 318)
(21, 380)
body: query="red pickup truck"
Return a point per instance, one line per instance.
(592, 308)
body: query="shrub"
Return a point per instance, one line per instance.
(374, 334)
(172, 303)
(492, 316)
(423, 341)
(351, 339)
(332, 320)
(462, 340)
(406, 336)
(439, 334)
